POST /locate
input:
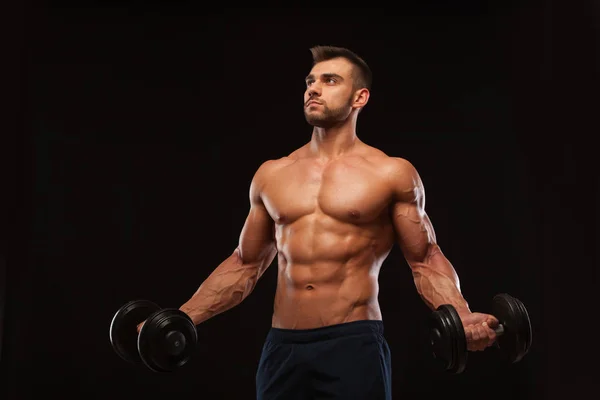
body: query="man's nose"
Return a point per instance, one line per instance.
(314, 90)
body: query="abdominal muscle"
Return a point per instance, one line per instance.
(328, 273)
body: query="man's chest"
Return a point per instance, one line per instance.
(343, 191)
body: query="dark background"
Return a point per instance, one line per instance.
(144, 123)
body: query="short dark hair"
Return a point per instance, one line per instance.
(364, 78)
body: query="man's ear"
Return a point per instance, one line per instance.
(361, 98)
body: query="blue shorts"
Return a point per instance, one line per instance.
(348, 361)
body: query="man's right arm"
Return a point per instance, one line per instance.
(235, 278)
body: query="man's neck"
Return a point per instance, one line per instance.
(328, 143)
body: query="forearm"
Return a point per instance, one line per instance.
(437, 283)
(227, 286)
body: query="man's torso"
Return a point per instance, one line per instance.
(333, 231)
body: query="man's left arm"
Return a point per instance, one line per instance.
(434, 276)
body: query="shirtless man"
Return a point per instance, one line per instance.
(331, 212)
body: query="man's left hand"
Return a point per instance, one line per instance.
(479, 330)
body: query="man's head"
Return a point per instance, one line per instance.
(338, 84)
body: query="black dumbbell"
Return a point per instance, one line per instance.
(448, 340)
(167, 339)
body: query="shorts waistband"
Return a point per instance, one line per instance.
(326, 332)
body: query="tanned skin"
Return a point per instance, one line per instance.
(331, 212)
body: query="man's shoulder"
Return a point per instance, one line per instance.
(403, 177)
(268, 167)
(274, 164)
(397, 171)
(389, 164)
(402, 165)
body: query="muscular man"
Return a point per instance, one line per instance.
(331, 212)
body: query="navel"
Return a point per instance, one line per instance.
(309, 287)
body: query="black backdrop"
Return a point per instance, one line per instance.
(146, 121)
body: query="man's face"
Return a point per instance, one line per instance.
(329, 93)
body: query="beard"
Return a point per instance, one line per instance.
(328, 117)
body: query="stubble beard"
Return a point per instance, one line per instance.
(328, 117)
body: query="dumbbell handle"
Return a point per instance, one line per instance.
(499, 330)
